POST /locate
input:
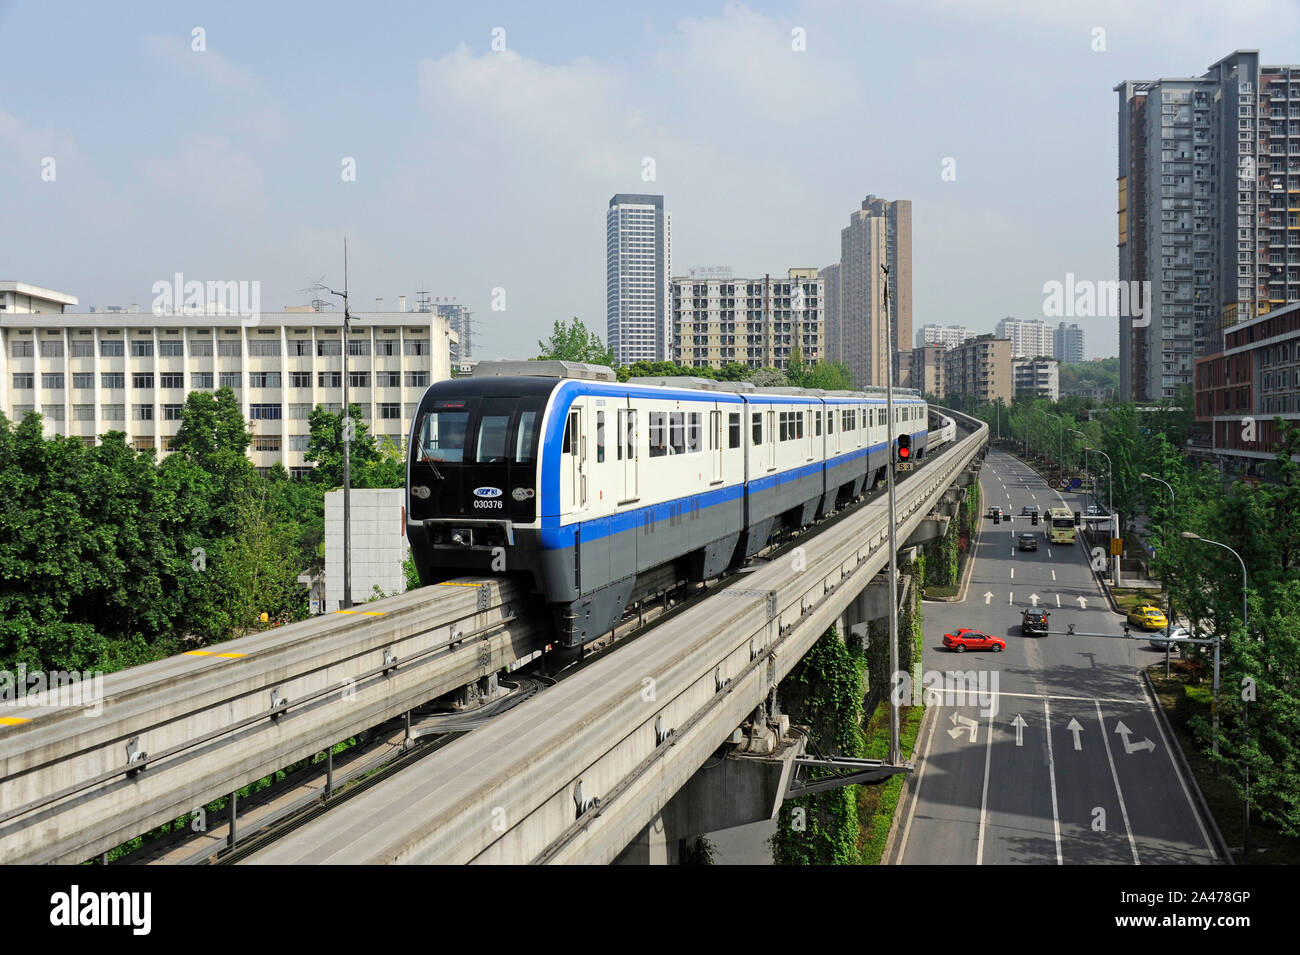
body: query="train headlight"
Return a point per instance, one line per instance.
(420, 491)
(460, 536)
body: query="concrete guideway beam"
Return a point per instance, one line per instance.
(186, 714)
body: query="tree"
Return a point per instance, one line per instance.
(796, 370)
(325, 446)
(828, 376)
(769, 378)
(573, 342)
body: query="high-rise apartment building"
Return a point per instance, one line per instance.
(950, 336)
(757, 322)
(638, 269)
(1209, 205)
(878, 233)
(90, 373)
(460, 318)
(979, 370)
(1029, 339)
(830, 278)
(1037, 377)
(928, 369)
(1068, 343)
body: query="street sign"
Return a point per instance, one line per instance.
(1075, 483)
(315, 607)
(1116, 547)
(904, 466)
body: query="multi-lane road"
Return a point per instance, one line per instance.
(1049, 752)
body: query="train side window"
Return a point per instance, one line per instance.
(618, 434)
(600, 436)
(631, 435)
(798, 423)
(781, 426)
(566, 443)
(658, 433)
(676, 432)
(757, 436)
(817, 423)
(830, 421)
(733, 430)
(693, 432)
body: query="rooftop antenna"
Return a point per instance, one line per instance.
(317, 290)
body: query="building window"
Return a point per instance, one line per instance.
(83, 412)
(390, 410)
(229, 379)
(200, 349)
(172, 412)
(388, 379)
(142, 379)
(52, 349)
(83, 379)
(171, 380)
(266, 442)
(299, 474)
(300, 412)
(299, 442)
(52, 379)
(356, 347)
(417, 346)
(229, 349)
(113, 412)
(201, 379)
(24, 350)
(142, 444)
(142, 412)
(330, 379)
(264, 412)
(112, 379)
(23, 382)
(264, 349)
(299, 379)
(326, 348)
(358, 379)
(386, 346)
(417, 379)
(83, 350)
(172, 349)
(300, 346)
(264, 379)
(141, 349)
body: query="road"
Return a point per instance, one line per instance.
(1049, 752)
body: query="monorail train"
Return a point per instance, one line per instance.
(559, 472)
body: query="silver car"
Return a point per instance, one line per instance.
(1176, 635)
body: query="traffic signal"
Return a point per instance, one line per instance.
(1033, 518)
(1078, 518)
(904, 447)
(997, 518)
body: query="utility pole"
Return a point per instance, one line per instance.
(895, 756)
(347, 427)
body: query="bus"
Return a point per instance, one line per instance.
(1060, 526)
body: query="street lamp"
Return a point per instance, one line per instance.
(346, 602)
(1060, 442)
(1169, 623)
(1110, 498)
(1085, 454)
(1245, 622)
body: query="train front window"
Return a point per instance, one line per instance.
(493, 433)
(442, 434)
(526, 438)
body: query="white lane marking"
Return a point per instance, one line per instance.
(1118, 792)
(916, 795)
(1058, 601)
(1029, 696)
(1049, 553)
(984, 800)
(1051, 772)
(1013, 573)
(1034, 496)
(1011, 596)
(1152, 704)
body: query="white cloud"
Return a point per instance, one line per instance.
(211, 173)
(207, 65)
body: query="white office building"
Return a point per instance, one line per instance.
(949, 336)
(638, 263)
(90, 373)
(1029, 339)
(1039, 378)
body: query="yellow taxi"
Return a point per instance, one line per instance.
(1148, 618)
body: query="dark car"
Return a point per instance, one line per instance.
(1034, 623)
(1029, 510)
(1027, 542)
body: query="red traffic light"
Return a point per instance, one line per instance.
(904, 452)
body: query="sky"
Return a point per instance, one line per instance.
(486, 140)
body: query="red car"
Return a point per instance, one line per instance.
(968, 639)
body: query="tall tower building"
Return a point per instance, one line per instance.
(830, 277)
(1068, 345)
(638, 263)
(879, 232)
(1209, 200)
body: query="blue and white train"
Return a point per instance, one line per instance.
(560, 473)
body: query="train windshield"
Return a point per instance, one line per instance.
(496, 430)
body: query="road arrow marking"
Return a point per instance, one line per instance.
(1083, 603)
(1020, 724)
(1034, 598)
(1131, 748)
(1076, 728)
(961, 724)
(988, 595)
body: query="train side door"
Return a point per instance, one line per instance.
(716, 437)
(627, 438)
(573, 449)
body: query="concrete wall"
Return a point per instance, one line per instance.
(379, 545)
